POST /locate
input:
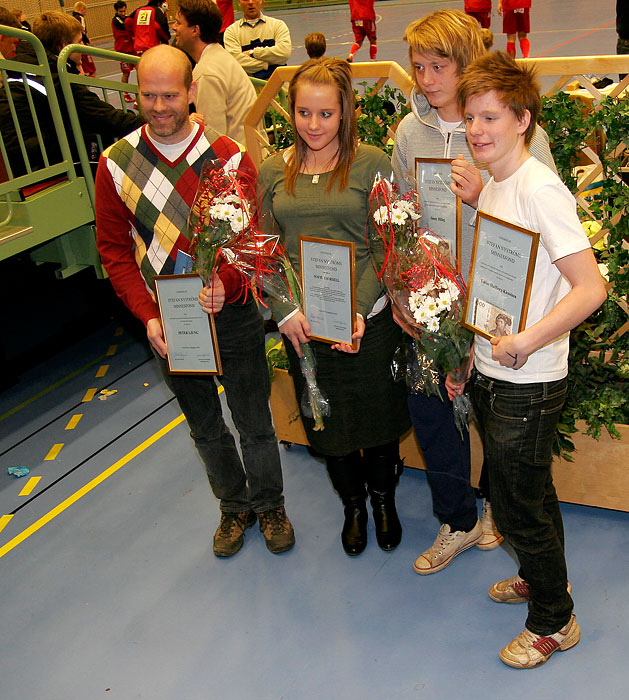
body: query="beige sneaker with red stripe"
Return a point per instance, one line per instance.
(513, 590)
(529, 650)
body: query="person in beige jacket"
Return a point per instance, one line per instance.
(224, 92)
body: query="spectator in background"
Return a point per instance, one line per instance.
(516, 20)
(87, 62)
(20, 16)
(258, 42)
(315, 45)
(363, 17)
(148, 26)
(480, 10)
(224, 92)
(123, 42)
(8, 44)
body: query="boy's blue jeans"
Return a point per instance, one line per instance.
(447, 458)
(256, 481)
(517, 422)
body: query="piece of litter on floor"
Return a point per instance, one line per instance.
(18, 471)
(106, 393)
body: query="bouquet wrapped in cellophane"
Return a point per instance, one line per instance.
(224, 222)
(417, 268)
(224, 209)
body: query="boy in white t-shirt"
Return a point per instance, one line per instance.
(519, 383)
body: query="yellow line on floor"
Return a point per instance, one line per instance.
(30, 485)
(53, 452)
(102, 371)
(118, 332)
(74, 421)
(37, 525)
(4, 521)
(112, 350)
(89, 395)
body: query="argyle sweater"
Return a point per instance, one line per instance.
(142, 206)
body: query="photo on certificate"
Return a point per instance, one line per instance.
(189, 332)
(440, 208)
(501, 275)
(328, 279)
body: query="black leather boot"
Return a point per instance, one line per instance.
(384, 468)
(346, 474)
(354, 533)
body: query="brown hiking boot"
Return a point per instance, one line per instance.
(277, 530)
(230, 534)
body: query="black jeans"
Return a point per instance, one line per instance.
(256, 481)
(517, 422)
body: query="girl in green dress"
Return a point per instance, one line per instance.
(320, 187)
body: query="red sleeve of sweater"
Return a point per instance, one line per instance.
(116, 247)
(236, 285)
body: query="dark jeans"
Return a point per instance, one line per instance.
(517, 422)
(447, 458)
(256, 482)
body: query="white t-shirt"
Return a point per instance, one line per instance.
(447, 127)
(535, 198)
(172, 151)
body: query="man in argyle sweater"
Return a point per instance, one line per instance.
(145, 186)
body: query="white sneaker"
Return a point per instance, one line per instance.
(447, 545)
(491, 537)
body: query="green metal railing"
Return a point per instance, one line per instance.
(13, 72)
(105, 88)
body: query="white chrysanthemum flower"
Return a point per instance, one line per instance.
(409, 208)
(414, 300)
(445, 300)
(222, 212)
(398, 216)
(433, 325)
(381, 215)
(420, 315)
(432, 307)
(237, 221)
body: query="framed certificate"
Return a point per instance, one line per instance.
(440, 207)
(501, 275)
(189, 332)
(328, 278)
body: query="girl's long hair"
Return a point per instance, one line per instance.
(325, 71)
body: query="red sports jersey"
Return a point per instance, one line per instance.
(123, 41)
(362, 9)
(508, 5)
(478, 5)
(146, 29)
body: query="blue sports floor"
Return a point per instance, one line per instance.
(108, 585)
